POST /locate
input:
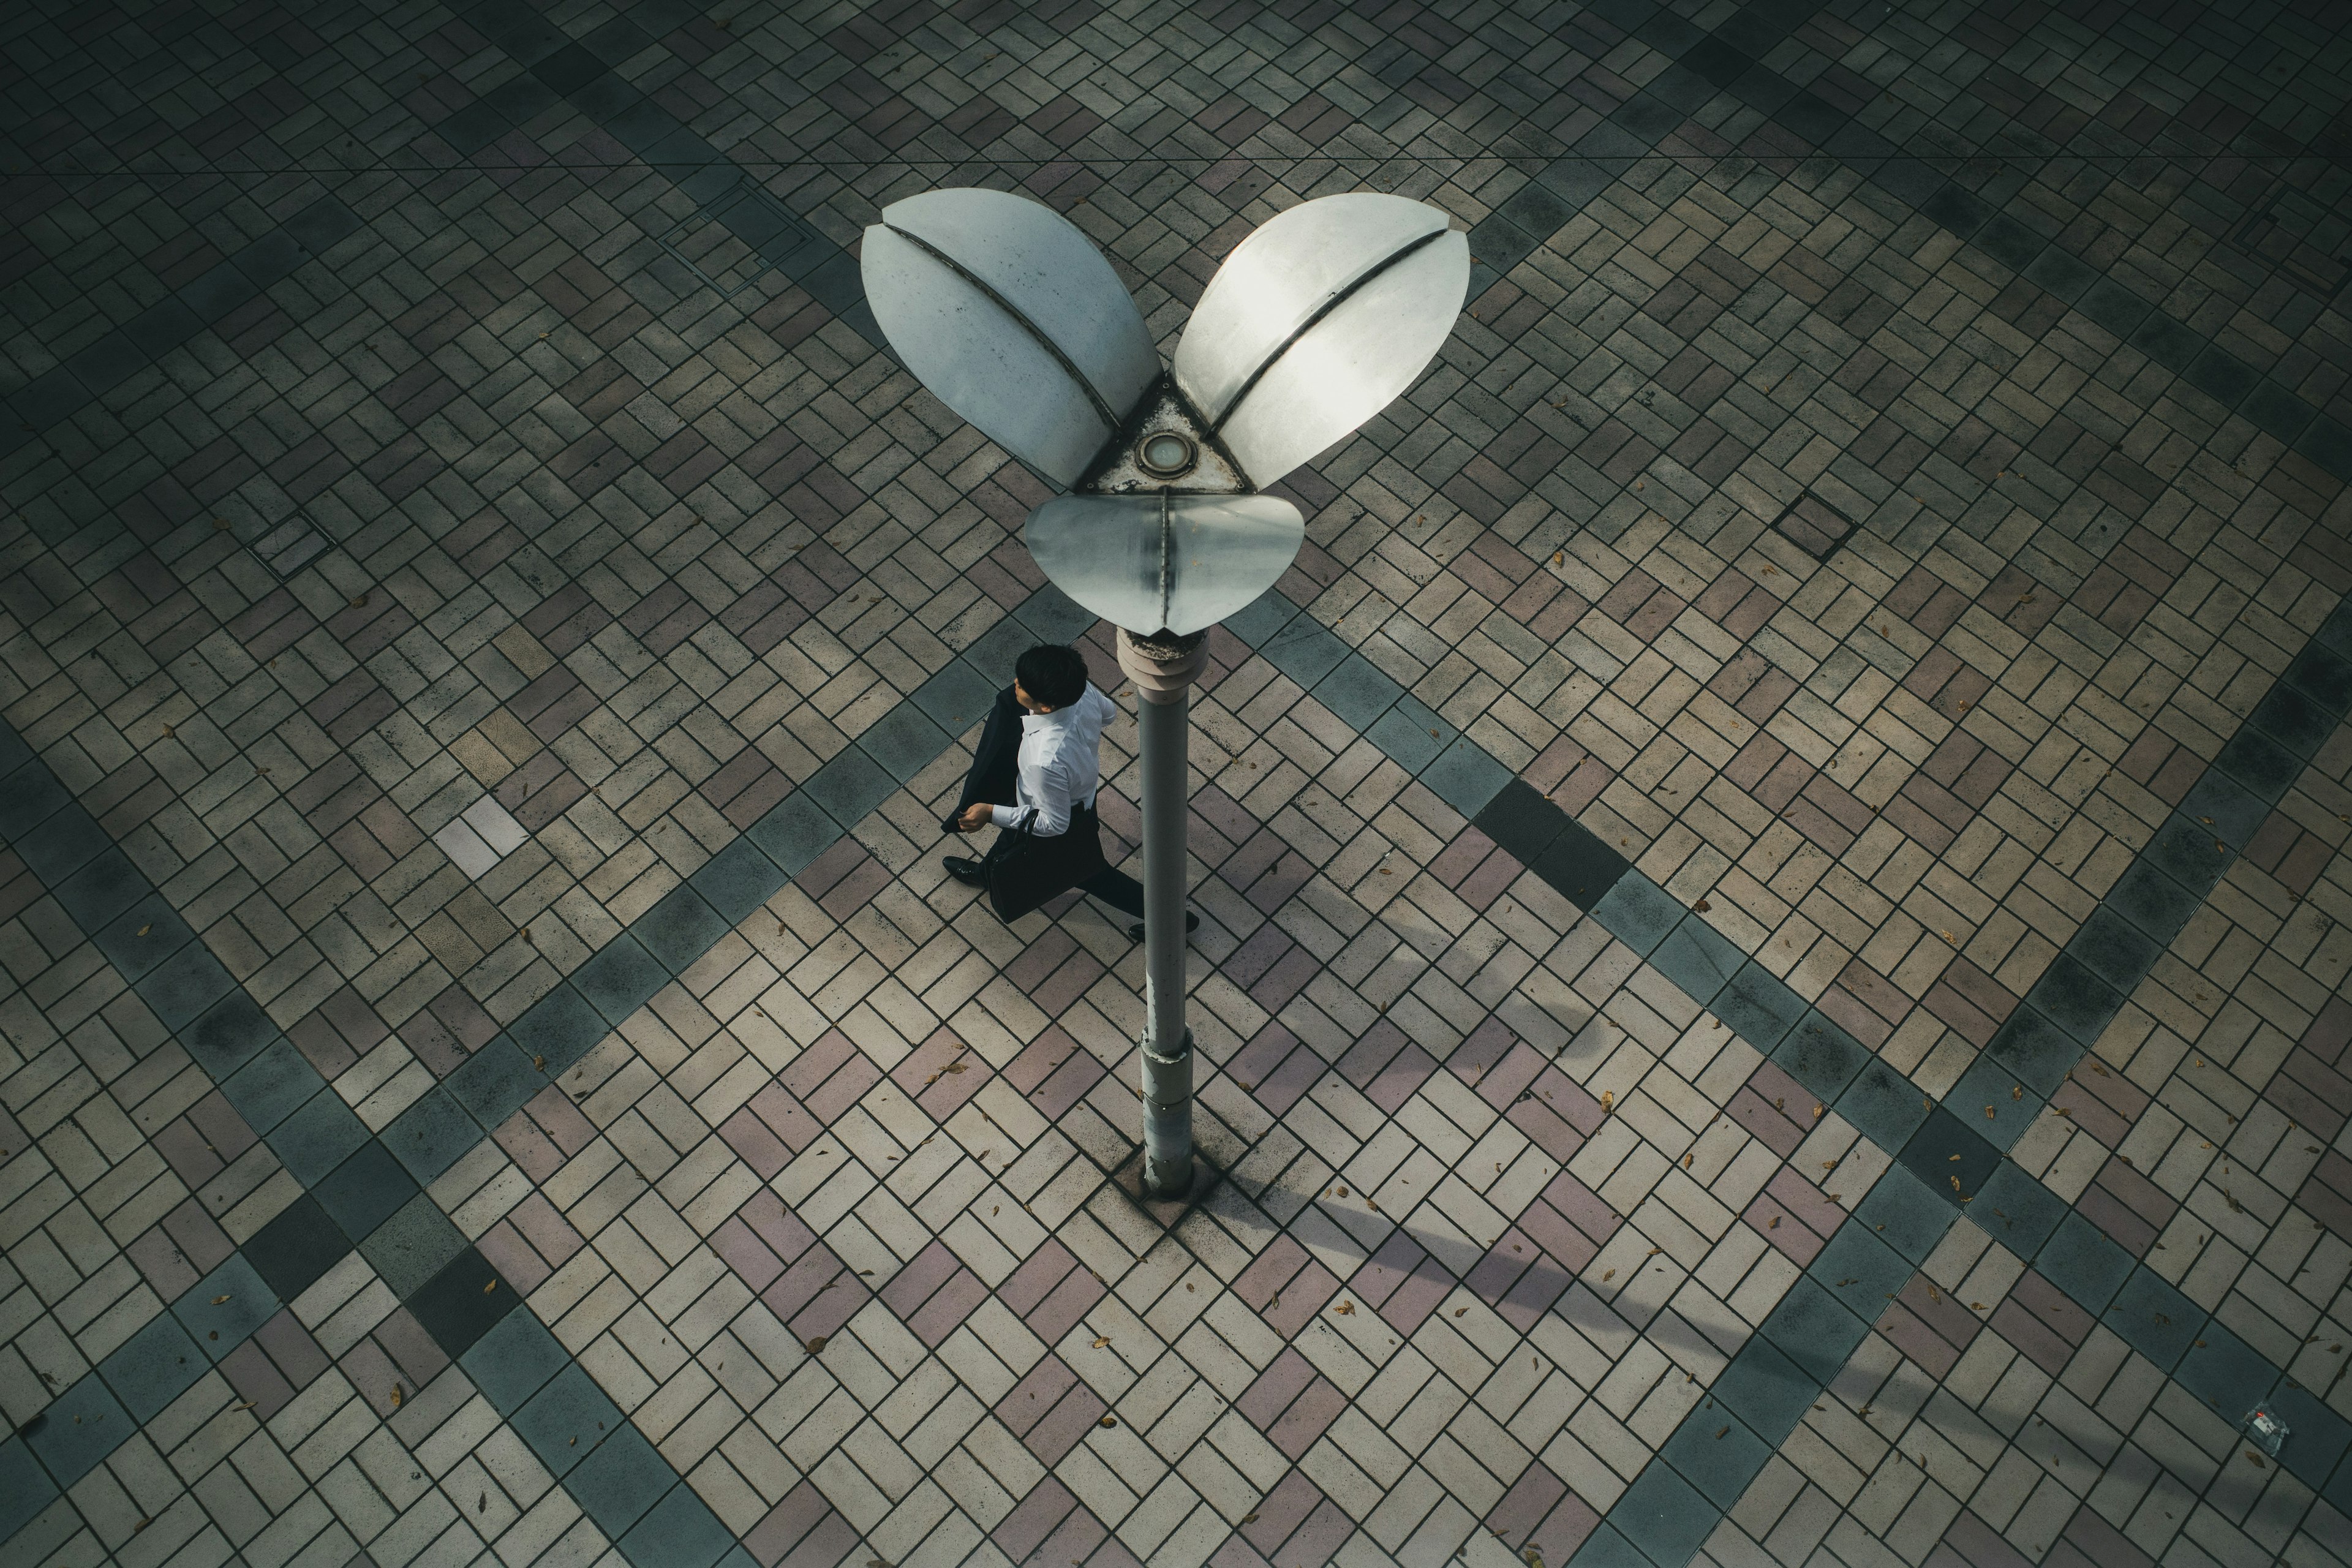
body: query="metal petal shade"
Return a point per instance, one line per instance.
(1317, 321)
(1012, 318)
(1165, 561)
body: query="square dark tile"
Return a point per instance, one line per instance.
(462, 1302)
(278, 1081)
(2114, 949)
(26, 1488)
(1883, 1104)
(1409, 744)
(2008, 242)
(1357, 690)
(319, 1135)
(1305, 651)
(2153, 901)
(1636, 912)
(621, 1480)
(2222, 376)
(1761, 1010)
(1994, 1102)
(103, 888)
(2278, 413)
(2319, 1437)
(365, 1190)
(2080, 1260)
(850, 787)
(679, 929)
(1766, 1390)
(1521, 821)
(904, 741)
(1901, 1212)
(68, 839)
(161, 327)
(564, 1421)
(1663, 1515)
(143, 936)
(2259, 762)
(1465, 776)
(2325, 676)
(1860, 1270)
(2167, 342)
(294, 1251)
(220, 292)
(29, 795)
(1694, 956)
(153, 1367)
(2296, 719)
(796, 832)
(2018, 1210)
(495, 1082)
(1714, 1451)
(226, 1306)
(325, 223)
(561, 1026)
(2116, 306)
(2061, 274)
(2236, 813)
(2154, 1319)
(1716, 59)
(183, 985)
(1816, 1052)
(2226, 1373)
(956, 698)
(431, 1135)
(412, 1246)
(1814, 1329)
(738, 880)
(2035, 1049)
(621, 978)
(2070, 996)
(679, 1530)
(1262, 619)
(1951, 1159)
(2189, 853)
(1959, 210)
(513, 1360)
(473, 128)
(78, 1429)
(1052, 614)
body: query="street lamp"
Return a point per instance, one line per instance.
(1315, 321)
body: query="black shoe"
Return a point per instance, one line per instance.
(1191, 924)
(967, 872)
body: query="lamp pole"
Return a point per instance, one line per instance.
(1163, 670)
(1007, 313)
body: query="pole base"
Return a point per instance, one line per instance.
(1165, 1212)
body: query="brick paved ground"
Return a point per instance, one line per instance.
(492, 1066)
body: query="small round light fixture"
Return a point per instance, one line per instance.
(1165, 455)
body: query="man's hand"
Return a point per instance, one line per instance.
(975, 818)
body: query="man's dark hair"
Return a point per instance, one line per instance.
(1052, 674)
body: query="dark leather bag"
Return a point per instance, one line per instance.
(1023, 871)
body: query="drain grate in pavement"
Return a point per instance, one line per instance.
(1814, 526)
(731, 242)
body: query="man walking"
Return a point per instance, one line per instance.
(1039, 762)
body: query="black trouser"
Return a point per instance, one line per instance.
(995, 767)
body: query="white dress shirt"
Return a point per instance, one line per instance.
(1060, 764)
